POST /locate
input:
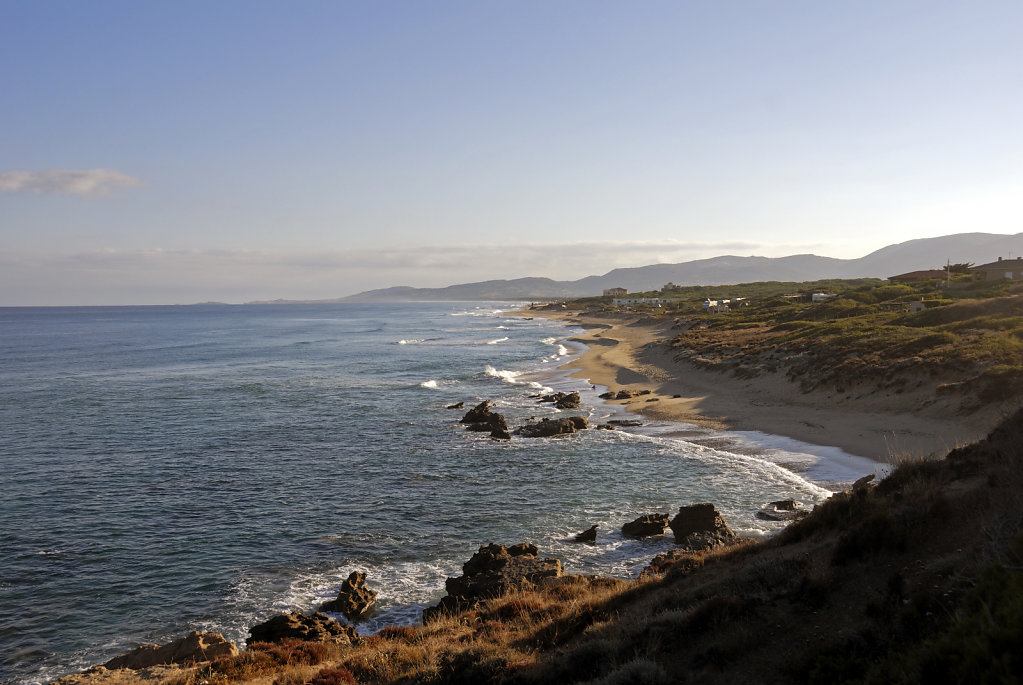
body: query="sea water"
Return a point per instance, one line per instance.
(166, 469)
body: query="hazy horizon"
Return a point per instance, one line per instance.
(171, 153)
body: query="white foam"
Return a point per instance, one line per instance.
(504, 375)
(499, 340)
(429, 384)
(413, 341)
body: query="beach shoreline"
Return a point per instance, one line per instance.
(632, 352)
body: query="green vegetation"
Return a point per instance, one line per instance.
(868, 336)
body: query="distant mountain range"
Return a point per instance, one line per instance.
(925, 253)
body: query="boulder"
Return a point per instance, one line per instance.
(563, 400)
(700, 526)
(606, 395)
(624, 395)
(481, 419)
(625, 422)
(782, 510)
(493, 571)
(192, 648)
(354, 599)
(478, 414)
(605, 427)
(457, 405)
(569, 401)
(549, 427)
(315, 628)
(588, 535)
(646, 525)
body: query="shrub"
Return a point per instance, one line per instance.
(333, 676)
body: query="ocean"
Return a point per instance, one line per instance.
(166, 469)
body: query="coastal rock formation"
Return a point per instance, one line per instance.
(549, 427)
(481, 419)
(605, 427)
(562, 400)
(606, 395)
(194, 647)
(700, 526)
(493, 571)
(315, 628)
(457, 405)
(478, 414)
(588, 535)
(782, 510)
(625, 422)
(354, 599)
(646, 525)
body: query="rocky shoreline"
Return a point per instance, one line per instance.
(493, 571)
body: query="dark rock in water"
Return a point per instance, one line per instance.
(605, 427)
(569, 401)
(481, 419)
(192, 648)
(459, 405)
(646, 525)
(549, 427)
(354, 600)
(782, 510)
(588, 535)
(606, 395)
(562, 400)
(478, 414)
(625, 422)
(493, 571)
(316, 628)
(700, 526)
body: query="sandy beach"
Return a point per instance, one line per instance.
(633, 353)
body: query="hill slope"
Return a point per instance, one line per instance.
(925, 253)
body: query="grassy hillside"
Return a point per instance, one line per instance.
(964, 340)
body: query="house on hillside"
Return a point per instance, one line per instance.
(615, 292)
(925, 275)
(1003, 268)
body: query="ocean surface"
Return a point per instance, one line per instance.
(165, 469)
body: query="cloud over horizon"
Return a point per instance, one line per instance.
(79, 183)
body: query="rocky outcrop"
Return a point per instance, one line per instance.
(481, 419)
(192, 648)
(625, 422)
(457, 405)
(646, 525)
(491, 572)
(700, 526)
(782, 510)
(315, 628)
(563, 400)
(478, 414)
(354, 600)
(588, 535)
(549, 427)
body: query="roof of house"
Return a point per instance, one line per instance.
(919, 275)
(1001, 263)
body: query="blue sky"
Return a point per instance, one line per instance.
(167, 152)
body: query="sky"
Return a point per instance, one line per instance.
(217, 150)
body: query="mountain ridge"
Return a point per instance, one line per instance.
(911, 255)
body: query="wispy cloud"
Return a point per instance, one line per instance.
(84, 183)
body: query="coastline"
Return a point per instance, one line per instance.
(630, 352)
